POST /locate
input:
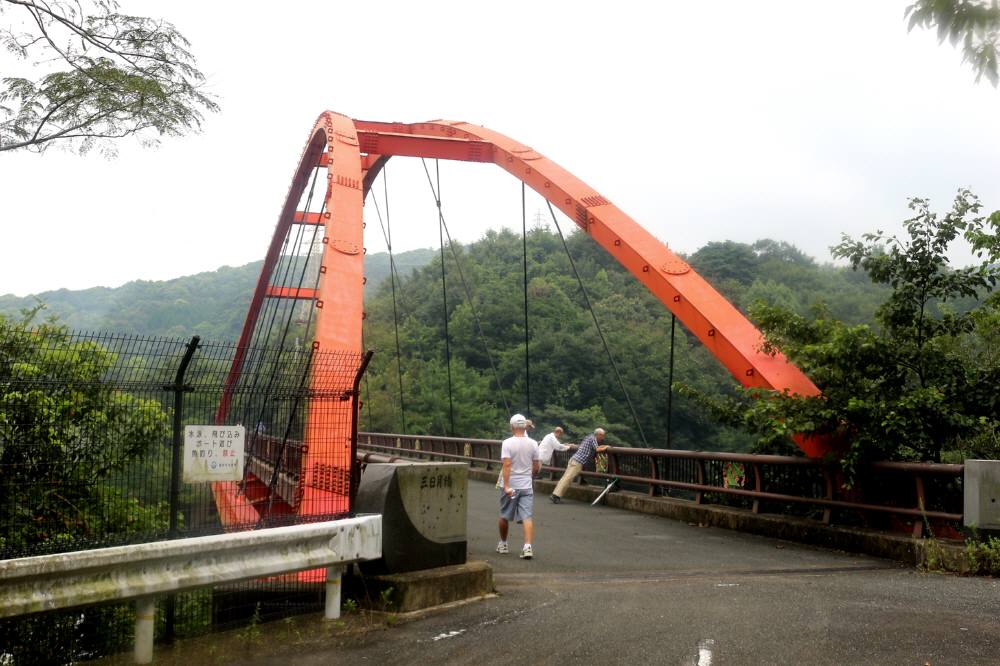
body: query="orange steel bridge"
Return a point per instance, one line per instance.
(341, 158)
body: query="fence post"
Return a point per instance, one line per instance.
(178, 388)
(355, 465)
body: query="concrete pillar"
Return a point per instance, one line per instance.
(982, 494)
(333, 587)
(145, 621)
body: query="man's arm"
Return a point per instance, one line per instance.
(506, 475)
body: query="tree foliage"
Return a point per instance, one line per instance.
(572, 382)
(103, 75)
(63, 435)
(974, 23)
(919, 383)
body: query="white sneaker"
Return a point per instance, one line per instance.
(502, 548)
(526, 553)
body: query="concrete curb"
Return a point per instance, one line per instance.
(424, 589)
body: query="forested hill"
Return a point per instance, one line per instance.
(573, 383)
(212, 304)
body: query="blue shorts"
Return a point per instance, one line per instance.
(518, 507)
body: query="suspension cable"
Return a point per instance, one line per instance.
(387, 235)
(593, 314)
(282, 272)
(444, 291)
(469, 297)
(670, 377)
(527, 355)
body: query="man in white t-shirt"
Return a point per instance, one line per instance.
(519, 455)
(550, 444)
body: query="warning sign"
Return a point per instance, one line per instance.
(213, 453)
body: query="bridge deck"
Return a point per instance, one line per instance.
(609, 586)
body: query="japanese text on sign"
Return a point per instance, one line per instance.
(213, 453)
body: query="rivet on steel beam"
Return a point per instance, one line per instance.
(322, 269)
(711, 332)
(527, 171)
(364, 280)
(315, 344)
(618, 243)
(364, 225)
(326, 215)
(364, 250)
(568, 201)
(326, 240)
(645, 269)
(548, 184)
(319, 304)
(750, 372)
(677, 299)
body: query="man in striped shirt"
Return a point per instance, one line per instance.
(589, 448)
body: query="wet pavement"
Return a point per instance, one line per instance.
(608, 586)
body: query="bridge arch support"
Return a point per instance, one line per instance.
(354, 151)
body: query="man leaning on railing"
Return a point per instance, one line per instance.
(589, 448)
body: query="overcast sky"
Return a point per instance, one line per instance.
(704, 121)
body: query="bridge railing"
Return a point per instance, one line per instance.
(888, 495)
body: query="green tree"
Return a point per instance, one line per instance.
(63, 436)
(924, 381)
(106, 76)
(974, 23)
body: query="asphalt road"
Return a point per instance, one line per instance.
(613, 587)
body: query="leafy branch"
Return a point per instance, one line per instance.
(121, 76)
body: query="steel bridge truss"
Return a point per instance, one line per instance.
(353, 152)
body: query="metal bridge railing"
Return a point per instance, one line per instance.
(893, 496)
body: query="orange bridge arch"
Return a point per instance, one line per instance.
(354, 151)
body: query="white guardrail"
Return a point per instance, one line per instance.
(144, 571)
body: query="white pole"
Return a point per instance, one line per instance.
(145, 621)
(333, 576)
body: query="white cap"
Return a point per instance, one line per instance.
(518, 421)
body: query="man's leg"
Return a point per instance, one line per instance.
(529, 530)
(504, 527)
(572, 470)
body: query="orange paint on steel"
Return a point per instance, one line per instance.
(338, 300)
(704, 311)
(301, 293)
(354, 151)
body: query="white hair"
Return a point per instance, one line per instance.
(599, 431)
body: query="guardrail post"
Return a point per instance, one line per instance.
(333, 588)
(145, 621)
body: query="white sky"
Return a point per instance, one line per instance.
(704, 121)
